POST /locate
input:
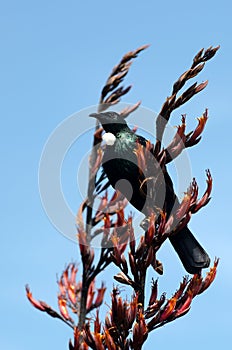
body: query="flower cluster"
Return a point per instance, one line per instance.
(69, 296)
(128, 323)
(161, 311)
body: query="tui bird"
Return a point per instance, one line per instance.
(120, 163)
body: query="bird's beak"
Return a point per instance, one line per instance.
(95, 115)
(99, 117)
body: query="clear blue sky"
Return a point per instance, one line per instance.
(55, 57)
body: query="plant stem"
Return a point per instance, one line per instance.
(84, 294)
(142, 282)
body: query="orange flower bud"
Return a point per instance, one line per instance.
(97, 324)
(72, 294)
(185, 307)
(195, 284)
(122, 278)
(139, 331)
(209, 277)
(109, 341)
(131, 311)
(65, 278)
(194, 138)
(63, 308)
(91, 293)
(120, 218)
(184, 206)
(100, 296)
(149, 235)
(99, 341)
(206, 197)
(36, 303)
(61, 287)
(194, 189)
(74, 270)
(169, 309)
(154, 292)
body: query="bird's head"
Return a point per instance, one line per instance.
(111, 121)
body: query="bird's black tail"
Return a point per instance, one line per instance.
(190, 252)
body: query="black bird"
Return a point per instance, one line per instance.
(120, 163)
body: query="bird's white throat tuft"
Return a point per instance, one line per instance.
(109, 138)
